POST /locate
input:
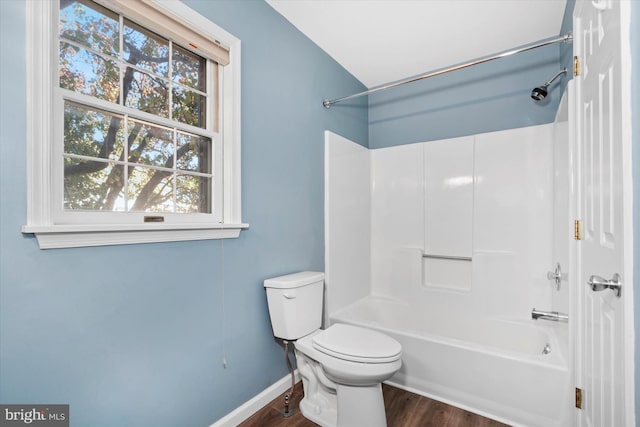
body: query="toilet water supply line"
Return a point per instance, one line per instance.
(287, 397)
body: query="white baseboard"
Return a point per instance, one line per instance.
(253, 405)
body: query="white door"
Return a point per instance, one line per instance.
(603, 178)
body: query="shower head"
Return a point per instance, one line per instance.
(539, 93)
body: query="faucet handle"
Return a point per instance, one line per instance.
(557, 276)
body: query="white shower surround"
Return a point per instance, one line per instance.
(473, 346)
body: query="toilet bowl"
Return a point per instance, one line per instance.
(342, 367)
(353, 371)
(352, 355)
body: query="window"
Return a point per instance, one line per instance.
(142, 141)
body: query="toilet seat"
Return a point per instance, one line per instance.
(357, 344)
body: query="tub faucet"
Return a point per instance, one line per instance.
(549, 315)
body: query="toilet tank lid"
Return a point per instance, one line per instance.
(294, 280)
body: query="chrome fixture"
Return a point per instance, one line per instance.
(549, 315)
(597, 284)
(539, 93)
(542, 43)
(546, 349)
(557, 275)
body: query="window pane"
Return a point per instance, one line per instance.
(189, 69)
(152, 145)
(85, 72)
(94, 186)
(146, 93)
(145, 49)
(90, 25)
(150, 190)
(119, 163)
(189, 107)
(194, 153)
(93, 133)
(193, 194)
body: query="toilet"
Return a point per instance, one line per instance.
(342, 367)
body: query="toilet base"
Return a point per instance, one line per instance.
(361, 406)
(319, 403)
(336, 405)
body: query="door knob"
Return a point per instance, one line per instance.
(597, 284)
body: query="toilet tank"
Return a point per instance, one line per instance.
(295, 304)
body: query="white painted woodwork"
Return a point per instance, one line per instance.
(603, 176)
(43, 122)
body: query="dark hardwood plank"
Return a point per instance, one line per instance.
(404, 409)
(429, 413)
(462, 418)
(399, 405)
(270, 415)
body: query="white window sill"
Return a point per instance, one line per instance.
(74, 236)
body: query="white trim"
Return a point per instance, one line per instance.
(230, 128)
(138, 115)
(197, 22)
(39, 30)
(627, 197)
(41, 61)
(253, 405)
(75, 236)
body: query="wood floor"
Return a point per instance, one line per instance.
(404, 409)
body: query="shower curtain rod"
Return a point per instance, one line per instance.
(542, 43)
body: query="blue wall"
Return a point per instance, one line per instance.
(135, 335)
(488, 97)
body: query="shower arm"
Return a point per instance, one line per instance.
(561, 72)
(327, 103)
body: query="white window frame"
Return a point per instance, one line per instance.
(42, 64)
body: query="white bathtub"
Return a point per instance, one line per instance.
(494, 368)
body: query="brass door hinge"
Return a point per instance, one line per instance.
(577, 230)
(578, 398)
(576, 65)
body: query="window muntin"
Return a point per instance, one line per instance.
(142, 150)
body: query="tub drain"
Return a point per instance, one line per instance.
(546, 349)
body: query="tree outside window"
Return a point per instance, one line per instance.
(137, 130)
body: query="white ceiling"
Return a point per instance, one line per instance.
(380, 41)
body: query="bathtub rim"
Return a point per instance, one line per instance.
(558, 359)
